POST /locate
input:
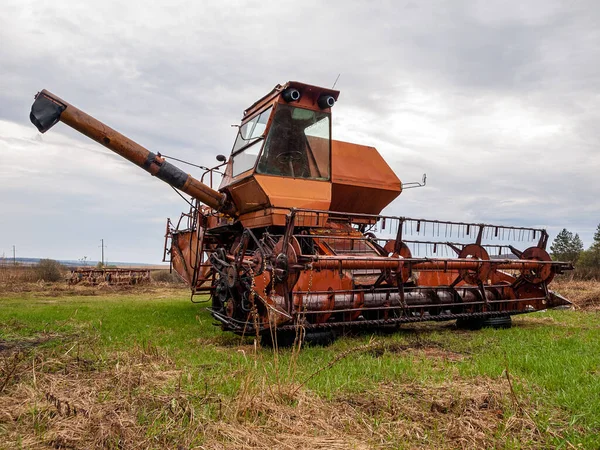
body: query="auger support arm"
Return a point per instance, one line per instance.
(48, 109)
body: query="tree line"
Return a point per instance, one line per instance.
(569, 247)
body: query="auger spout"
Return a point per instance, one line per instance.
(48, 109)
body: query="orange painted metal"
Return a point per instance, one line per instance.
(295, 193)
(362, 182)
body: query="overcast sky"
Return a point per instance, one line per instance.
(497, 101)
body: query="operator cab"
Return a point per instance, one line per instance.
(285, 134)
(283, 157)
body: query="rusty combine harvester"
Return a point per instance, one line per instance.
(91, 276)
(294, 235)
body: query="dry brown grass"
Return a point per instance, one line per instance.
(135, 399)
(10, 274)
(59, 289)
(585, 295)
(461, 414)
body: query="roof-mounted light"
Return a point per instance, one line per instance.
(291, 95)
(326, 101)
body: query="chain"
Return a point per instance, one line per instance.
(251, 298)
(310, 278)
(268, 288)
(252, 286)
(310, 282)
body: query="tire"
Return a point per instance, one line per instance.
(287, 338)
(284, 339)
(472, 324)
(322, 338)
(499, 322)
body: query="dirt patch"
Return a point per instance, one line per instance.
(431, 350)
(13, 346)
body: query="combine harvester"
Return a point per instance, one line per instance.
(294, 236)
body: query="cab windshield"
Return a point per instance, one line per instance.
(298, 144)
(248, 143)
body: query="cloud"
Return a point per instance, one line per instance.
(496, 101)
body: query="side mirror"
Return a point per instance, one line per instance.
(221, 158)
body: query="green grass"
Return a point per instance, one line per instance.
(553, 357)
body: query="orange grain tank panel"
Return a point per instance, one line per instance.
(248, 195)
(295, 192)
(264, 218)
(362, 182)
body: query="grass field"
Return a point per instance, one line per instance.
(147, 369)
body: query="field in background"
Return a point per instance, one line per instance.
(143, 367)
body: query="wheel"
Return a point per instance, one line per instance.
(322, 338)
(498, 322)
(472, 324)
(287, 338)
(284, 339)
(475, 324)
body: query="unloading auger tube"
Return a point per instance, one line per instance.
(48, 109)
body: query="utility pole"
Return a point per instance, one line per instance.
(14, 256)
(102, 240)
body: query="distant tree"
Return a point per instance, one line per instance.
(49, 270)
(590, 258)
(577, 245)
(596, 242)
(566, 246)
(99, 265)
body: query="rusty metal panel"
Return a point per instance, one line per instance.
(112, 277)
